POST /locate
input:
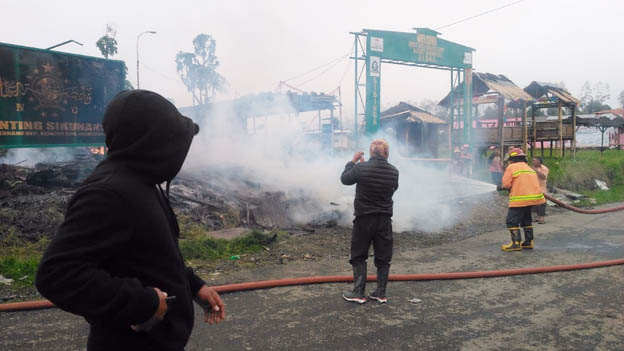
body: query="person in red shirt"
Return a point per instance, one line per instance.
(496, 167)
(524, 193)
(542, 177)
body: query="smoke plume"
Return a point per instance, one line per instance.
(281, 158)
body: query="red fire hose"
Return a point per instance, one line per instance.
(30, 305)
(580, 210)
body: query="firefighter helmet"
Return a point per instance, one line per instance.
(516, 152)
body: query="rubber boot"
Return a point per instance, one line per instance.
(516, 238)
(382, 281)
(528, 237)
(359, 284)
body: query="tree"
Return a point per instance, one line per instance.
(593, 98)
(198, 69)
(586, 93)
(621, 98)
(107, 43)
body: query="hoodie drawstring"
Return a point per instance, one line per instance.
(170, 214)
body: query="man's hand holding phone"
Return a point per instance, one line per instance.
(358, 157)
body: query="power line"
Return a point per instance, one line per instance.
(325, 71)
(480, 14)
(319, 67)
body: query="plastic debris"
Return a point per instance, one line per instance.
(235, 257)
(415, 300)
(600, 184)
(5, 281)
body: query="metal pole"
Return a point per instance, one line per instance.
(525, 132)
(357, 89)
(331, 137)
(560, 129)
(137, 54)
(340, 107)
(451, 116)
(574, 132)
(535, 131)
(468, 107)
(501, 123)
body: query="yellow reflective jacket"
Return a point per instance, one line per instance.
(524, 189)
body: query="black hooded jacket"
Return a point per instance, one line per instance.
(119, 238)
(376, 180)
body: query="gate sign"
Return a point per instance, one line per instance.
(420, 48)
(50, 98)
(423, 47)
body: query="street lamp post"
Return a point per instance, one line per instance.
(137, 47)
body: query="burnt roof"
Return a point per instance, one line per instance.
(549, 94)
(410, 113)
(487, 83)
(401, 107)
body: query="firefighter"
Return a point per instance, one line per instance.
(524, 193)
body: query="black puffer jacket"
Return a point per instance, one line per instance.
(376, 180)
(120, 235)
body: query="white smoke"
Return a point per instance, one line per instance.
(280, 158)
(29, 157)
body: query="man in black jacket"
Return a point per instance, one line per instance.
(115, 259)
(376, 180)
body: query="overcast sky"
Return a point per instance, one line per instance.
(260, 43)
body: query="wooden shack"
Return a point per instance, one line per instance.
(416, 130)
(505, 128)
(550, 95)
(511, 127)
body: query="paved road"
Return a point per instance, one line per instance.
(579, 310)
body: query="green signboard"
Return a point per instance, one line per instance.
(50, 98)
(422, 48)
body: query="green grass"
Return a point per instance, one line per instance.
(614, 194)
(19, 259)
(579, 174)
(207, 248)
(197, 244)
(20, 268)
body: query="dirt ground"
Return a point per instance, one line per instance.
(310, 243)
(576, 310)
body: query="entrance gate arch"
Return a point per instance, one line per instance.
(421, 49)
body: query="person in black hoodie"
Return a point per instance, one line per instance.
(115, 258)
(376, 180)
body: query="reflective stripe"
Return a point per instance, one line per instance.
(526, 197)
(515, 174)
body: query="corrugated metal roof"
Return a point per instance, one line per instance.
(424, 117)
(415, 116)
(616, 111)
(540, 90)
(503, 86)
